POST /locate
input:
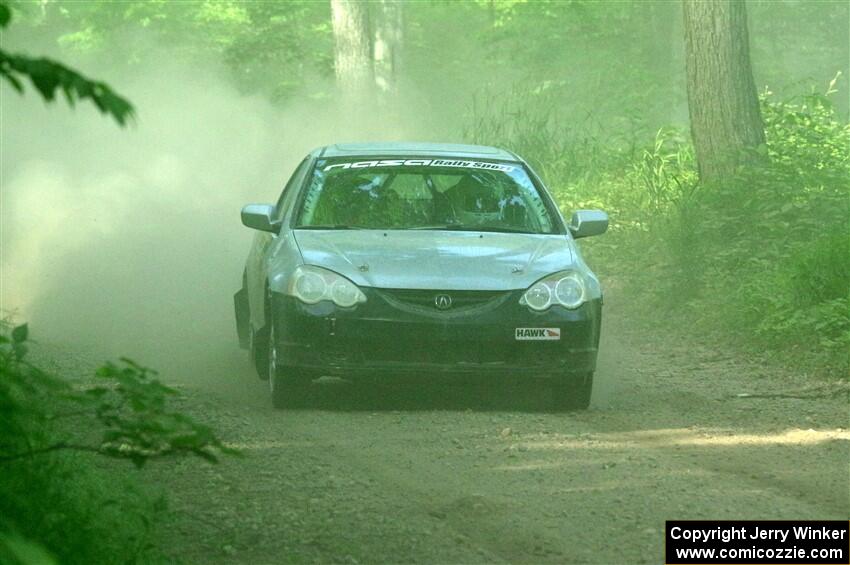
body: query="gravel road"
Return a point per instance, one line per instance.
(465, 474)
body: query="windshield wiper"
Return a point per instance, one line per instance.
(462, 227)
(331, 227)
(438, 227)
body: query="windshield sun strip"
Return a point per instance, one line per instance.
(558, 226)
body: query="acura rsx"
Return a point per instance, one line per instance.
(387, 260)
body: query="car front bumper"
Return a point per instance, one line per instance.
(384, 338)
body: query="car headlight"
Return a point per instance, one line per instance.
(570, 291)
(566, 288)
(311, 284)
(539, 296)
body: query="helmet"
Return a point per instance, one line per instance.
(473, 196)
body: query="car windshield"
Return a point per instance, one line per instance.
(438, 194)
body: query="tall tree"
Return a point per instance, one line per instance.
(722, 99)
(387, 45)
(353, 46)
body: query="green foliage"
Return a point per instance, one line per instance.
(269, 47)
(664, 173)
(75, 510)
(16, 549)
(631, 180)
(820, 271)
(765, 256)
(617, 60)
(804, 295)
(130, 408)
(54, 497)
(48, 77)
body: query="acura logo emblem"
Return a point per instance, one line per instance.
(443, 301)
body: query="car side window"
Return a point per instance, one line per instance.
(294, 181)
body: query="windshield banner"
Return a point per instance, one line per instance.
(423, 163)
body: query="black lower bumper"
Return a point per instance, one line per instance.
(384, 339)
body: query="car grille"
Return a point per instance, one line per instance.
(462, 301)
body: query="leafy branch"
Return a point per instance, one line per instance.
(48, 77)
(128, 404)
(47, 449)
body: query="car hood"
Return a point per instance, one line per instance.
(436, 260)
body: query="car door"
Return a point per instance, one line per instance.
(255, 268)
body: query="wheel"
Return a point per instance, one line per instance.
(572, 392)
(286, 388)
(258, 351)
(242, 312)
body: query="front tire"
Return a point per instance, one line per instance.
(285, 387)
(572, 392)
(259, 351)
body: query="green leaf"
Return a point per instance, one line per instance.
(16, 84)
(96, 392)
(20, 349)
(6, 15)
(23, 550)
(47, 76)
(20, 333)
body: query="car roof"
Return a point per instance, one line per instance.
(414, 149)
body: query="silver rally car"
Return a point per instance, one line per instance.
(386, 260)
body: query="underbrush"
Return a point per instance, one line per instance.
(64, 508)
(759, 262)
(65, 494)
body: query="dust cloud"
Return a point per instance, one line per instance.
(128, 242)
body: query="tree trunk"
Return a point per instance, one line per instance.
(387, 47)
(722, 100)
(353, 47)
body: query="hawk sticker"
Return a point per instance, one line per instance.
(538, 334)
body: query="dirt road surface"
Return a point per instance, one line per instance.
(465, 474)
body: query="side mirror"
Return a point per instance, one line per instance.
(259, 217)
(585, 223)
